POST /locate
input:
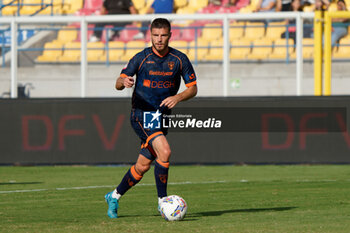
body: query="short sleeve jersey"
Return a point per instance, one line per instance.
(158, 77)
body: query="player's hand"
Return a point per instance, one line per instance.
(128, 82)
(170, 102)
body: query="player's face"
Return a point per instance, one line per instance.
(160, 39)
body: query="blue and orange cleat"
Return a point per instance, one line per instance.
(112, 205)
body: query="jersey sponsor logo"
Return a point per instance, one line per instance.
(150, 62)
(158, 84)
(160, 73)
(151, 120)
(192, 76)
(147, 83)
(171, 65)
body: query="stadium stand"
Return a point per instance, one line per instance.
(52, 51)
(280, 49)
(191, 32)
(224, 7)
(210, 9)
(175, 32)
(11, 8)
(131, 48)
(240, 49)
(249, 40)
(309, 8)
(308, 48)
(114, 50)
(128, 33)
(67, 34)
(53, 7)
(261, 49)
(228, 10)
(42, 7)
(95, 51)
(212, 31)
(71, 52)
(90, 7)
(275, 30)
(180, 3)
(197, 4)
(181, 45)
(348, 4)
(215, 50)
(89, 32)
(332, 7)
(198, 49)
(30, 7)
(242, 3)
(107, 33)
(236, 30)
(249, 8)
(148, 36)
(254, 31)
(343, 50)
(139, 4)
(185, 10)
(71, 6)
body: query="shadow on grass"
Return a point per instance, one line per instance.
(20, 183)
(194, 216)
(253, 210)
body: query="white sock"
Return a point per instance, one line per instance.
(115, 194)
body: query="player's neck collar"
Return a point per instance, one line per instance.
(158, 54)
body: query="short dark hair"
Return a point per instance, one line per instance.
(160, 23)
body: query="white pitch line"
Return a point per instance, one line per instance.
(170, 183)
(24, 191)
(107, 186)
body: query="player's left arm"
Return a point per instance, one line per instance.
(171, 101)
(190, 79)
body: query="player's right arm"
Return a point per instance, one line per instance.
(124, 81)
(125, 78)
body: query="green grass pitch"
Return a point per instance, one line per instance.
(265, 198)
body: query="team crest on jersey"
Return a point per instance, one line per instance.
(171, 65)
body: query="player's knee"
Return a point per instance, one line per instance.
(165, 154)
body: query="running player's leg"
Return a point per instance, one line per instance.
(133, 175)
(130, 179)
(161, 148)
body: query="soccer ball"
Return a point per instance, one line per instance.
(173, 208)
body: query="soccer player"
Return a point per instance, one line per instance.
(158, 71)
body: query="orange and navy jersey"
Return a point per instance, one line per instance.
(158, 77)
